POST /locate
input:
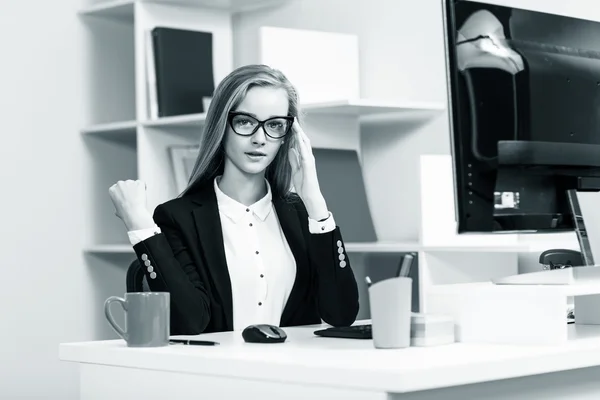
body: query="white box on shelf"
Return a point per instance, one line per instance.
(516, 314)
(324, 66)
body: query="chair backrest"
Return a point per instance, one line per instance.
(136, 279)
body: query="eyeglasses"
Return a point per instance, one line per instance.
(246, 125)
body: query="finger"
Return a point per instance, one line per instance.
(300, 141)
(300, 134)
(303, 134)
(294, 159)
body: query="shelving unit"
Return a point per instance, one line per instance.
(128, 125)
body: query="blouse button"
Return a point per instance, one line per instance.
(260, 303)
(250, 223)
(262, 276)
(247, 210)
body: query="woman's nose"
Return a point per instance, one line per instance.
(259, 137)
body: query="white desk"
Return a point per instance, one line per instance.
(307, 367)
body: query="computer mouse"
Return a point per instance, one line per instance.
(263, 333)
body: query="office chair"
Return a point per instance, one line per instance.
(136, 279)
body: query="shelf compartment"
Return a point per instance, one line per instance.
(114, 9)
(382, 247)
(107, 162)
(124, 132)
(124, 9)
(109, 128)
(156, 167)
(483, 248)
(110, 249)
(363, 107)
(191, 120)
(233, 6)
(108, 63)
(375, 111)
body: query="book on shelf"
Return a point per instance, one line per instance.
(179, 68)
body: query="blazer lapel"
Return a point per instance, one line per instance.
(210, 236)
(290, 225)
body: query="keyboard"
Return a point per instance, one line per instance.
(347, 332)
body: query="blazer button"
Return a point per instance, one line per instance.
(342, 257)
(342, 264)
(147, 263)
(153, 275)
(150, 269)
(144, 257)
(339, 243)
(340, 250)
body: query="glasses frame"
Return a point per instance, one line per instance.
(233, 114)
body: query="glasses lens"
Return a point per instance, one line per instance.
(277, 127)
(244, 124)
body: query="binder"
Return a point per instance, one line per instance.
(342, 184)
(183, 64)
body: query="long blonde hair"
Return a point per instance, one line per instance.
(227, 96)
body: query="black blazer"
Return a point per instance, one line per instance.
(187, 259)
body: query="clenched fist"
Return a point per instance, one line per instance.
(129, 199)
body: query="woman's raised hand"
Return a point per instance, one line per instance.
(129, 199)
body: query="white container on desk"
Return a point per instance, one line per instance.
(431, 330)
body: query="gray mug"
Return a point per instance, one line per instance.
(147, 318)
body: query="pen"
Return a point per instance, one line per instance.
(193, 342)
(404, 269)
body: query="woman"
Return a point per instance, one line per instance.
(238, 246)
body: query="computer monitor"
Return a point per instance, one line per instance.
(524, 104)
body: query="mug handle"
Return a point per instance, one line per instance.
(111, 319)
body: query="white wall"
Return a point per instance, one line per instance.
(43, 283)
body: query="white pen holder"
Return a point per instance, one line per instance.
(390, 305)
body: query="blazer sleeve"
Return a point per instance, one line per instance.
(337, 291)
(168, 257)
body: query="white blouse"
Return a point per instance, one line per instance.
(262, 268)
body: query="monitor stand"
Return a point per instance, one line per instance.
(575, 200)
(585, 206)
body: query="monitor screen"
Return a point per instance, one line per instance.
(524, 93)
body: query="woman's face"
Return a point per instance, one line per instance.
(252, 153)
